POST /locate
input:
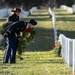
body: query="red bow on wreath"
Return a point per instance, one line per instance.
(28, 30)
(7, 24)
(54, 46)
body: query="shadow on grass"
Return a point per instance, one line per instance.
(60, 14)
(39, 15)
(65, 19)
(38, 19)
(59, 10)
(41, 11)
(3, 19)
(50, 61)
(69, 34)
(53, 62)
(44, 40)
(63, 16)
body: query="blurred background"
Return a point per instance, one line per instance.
(28, 4)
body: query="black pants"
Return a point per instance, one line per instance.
(10, 49)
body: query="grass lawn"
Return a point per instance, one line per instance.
(36, 63)
(65, 23)
(38, 57)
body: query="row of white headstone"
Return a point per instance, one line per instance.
(54, 24)
(7, 11)
(70, 9)
(68, 45)
(68, 50)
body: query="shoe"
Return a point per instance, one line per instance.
(5, 62)
(12, 62)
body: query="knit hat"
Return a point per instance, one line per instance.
(33, 22)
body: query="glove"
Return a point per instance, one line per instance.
(19, 37)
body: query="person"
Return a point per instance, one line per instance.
(10, 33)
(15, 14)
(14, 17)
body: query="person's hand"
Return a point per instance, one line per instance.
(19, 37)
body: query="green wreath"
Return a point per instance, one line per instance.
(27, 38)
(4, 25)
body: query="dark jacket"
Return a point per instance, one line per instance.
(13, 18)
(19, 25)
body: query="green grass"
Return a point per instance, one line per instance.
(39, 58)
(65, 22)
(36, 63)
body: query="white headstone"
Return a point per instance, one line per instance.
(73, 6)
(70, 52)
(74, 57)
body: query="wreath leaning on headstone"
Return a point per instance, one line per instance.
(57, 48)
